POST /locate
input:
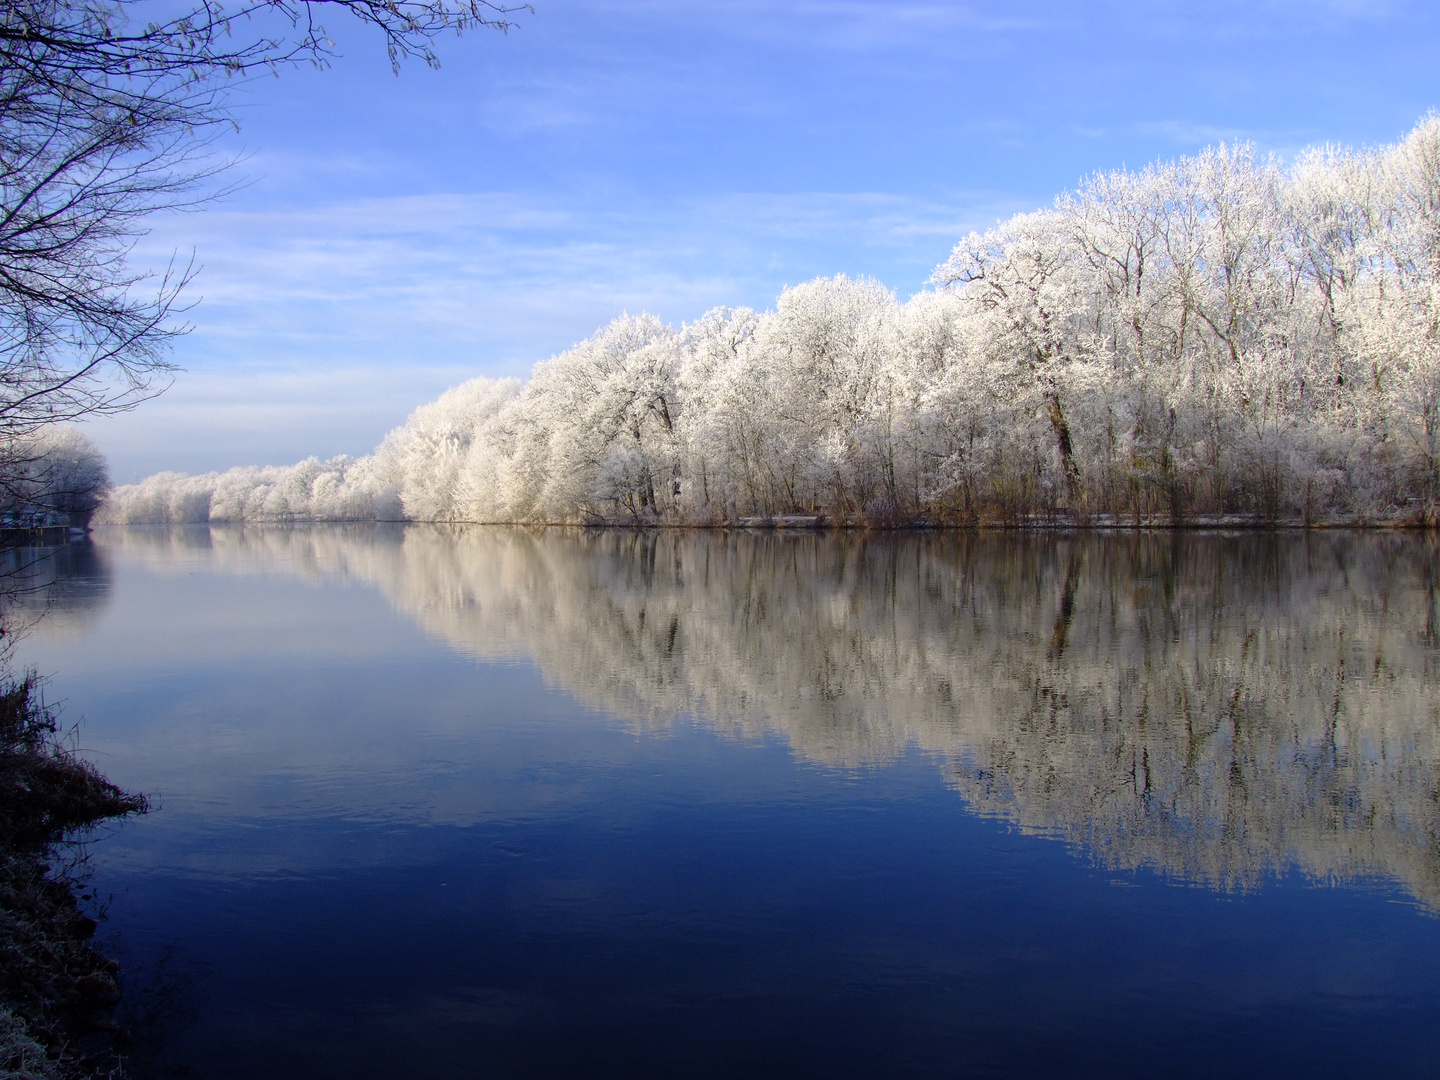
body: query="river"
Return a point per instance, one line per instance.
(505, 802)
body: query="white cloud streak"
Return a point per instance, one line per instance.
(320, 327)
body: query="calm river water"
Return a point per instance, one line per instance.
(508, 803)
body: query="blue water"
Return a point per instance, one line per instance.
(505, 804)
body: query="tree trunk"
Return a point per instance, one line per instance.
(1061, 427)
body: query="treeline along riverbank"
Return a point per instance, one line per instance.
(1217, 338)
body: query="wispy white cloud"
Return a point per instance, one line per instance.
(473, 268)
(851, 24)
(216, 418)
(320, 327)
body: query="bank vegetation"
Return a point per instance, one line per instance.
(57, 993)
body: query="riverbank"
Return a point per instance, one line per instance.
(1410, 517)
(1415, 515)
(57, 993)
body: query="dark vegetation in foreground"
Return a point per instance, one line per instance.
(58, 994)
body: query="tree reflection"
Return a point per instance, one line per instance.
(57, 588)
(1217, 707)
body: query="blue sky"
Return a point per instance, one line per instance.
(393, 236)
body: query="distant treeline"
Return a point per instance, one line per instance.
(56, 470)
(1214, 336)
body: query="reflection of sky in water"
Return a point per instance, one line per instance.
(517, 803)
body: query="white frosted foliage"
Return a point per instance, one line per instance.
(1214, 336)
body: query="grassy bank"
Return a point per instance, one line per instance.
(57, 993)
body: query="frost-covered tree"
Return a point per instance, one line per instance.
(56, 469)
(1209, 338)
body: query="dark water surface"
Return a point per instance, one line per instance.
(529, 804)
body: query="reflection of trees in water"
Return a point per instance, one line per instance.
(1212, 706)
(60, 588)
